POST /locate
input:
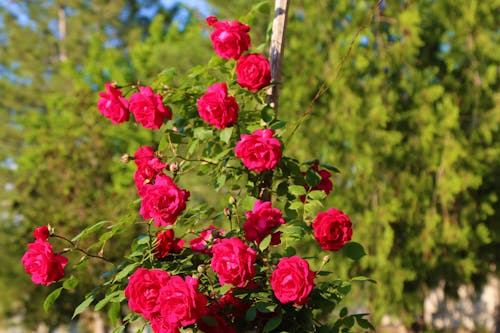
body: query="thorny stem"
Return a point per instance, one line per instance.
(74, 247)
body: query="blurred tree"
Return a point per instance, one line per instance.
(60, 156)
(409, 111)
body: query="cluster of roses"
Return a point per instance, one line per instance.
(170, 302)
(41, 262)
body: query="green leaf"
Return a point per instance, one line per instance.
(330, 167)
(51, 298)
(265, 307)
(273, 323)
(114, 313)
(353, 250)
(296, 205)
(262, 7)
(278, 125)
(312, 178)
(316, 195)
(267, 114)
(85, 304)
(264, 244)
(250, 314)
(343, 312)
(282, 188)
(93, 228)
(363, 323)
(297, 190)
(112, 297)
(225, 288)
(70, 283)
(225, 134)
(363, 278)
(119, 329)
(125, 271)
(175, 137)
(290, 251)
(202, 133)
(349, 321)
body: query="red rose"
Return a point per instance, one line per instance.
(292, 280)
(42, 233)
(148, 167)
(148, 108)
(207, 238)
(43, 264)
(231, 305)
(253, 72)
(230, 39)
(262, 221)
(233, 262)
(161, 325)
(332, 229)
(217, 108)
(180, 301)
(163, 201)
(166, 243)
(259, 151)
(113, 105)
(143, 291)
(325, 184)
(217, 324)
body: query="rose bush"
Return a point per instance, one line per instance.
(242, 270)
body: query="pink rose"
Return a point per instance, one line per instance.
(143, 291)
(166, 243)
(332, 229)
(163, 201)
(113, 105)
(42, 233)
(233, 261)
(253, 72)
(262, 221)
(148, 108)
(230, 39)
(325, 184)
(43, 264)
(148, 167)
(292, 280)
(259, 151)
(217, 108)
(180, 301)
(207, 238)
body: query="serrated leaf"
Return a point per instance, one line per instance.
(225, 288)
(353, 250)
(316, 195)
(296, 205)
(273, 323)
(51, 298)
(312, 178)
(363, 323)
(348, 321)
(264, 244)
(83, 305)
(262, 7)
(202, 133)
(93, 228)
(250, 314)
(225, 134)
(114, 313)
(70, 283)
(297, 190)
(125, 271)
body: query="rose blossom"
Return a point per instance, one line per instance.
(253, 72)
(217, 108)
(41, 233)
(148, 108)
(332, 229)
(148, 167)
(166, 243)
(143, 291)
(262, 221)
(292, 280)
(163, 201)
(325, 185)
(180, 301)
(42, 263)
(259, 151)
(233, 261)
(207, 238)
(161, 325)
(230, 39)
(113, 105)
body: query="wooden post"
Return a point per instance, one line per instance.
(276, 51)
(272, 95)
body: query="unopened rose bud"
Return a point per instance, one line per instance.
(326, 259)
(227, 211)
(201, 269)
(232, 200)
(125, 158)
(174, 167)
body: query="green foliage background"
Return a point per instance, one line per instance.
(401, 97)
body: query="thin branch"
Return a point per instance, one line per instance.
(76, 248)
